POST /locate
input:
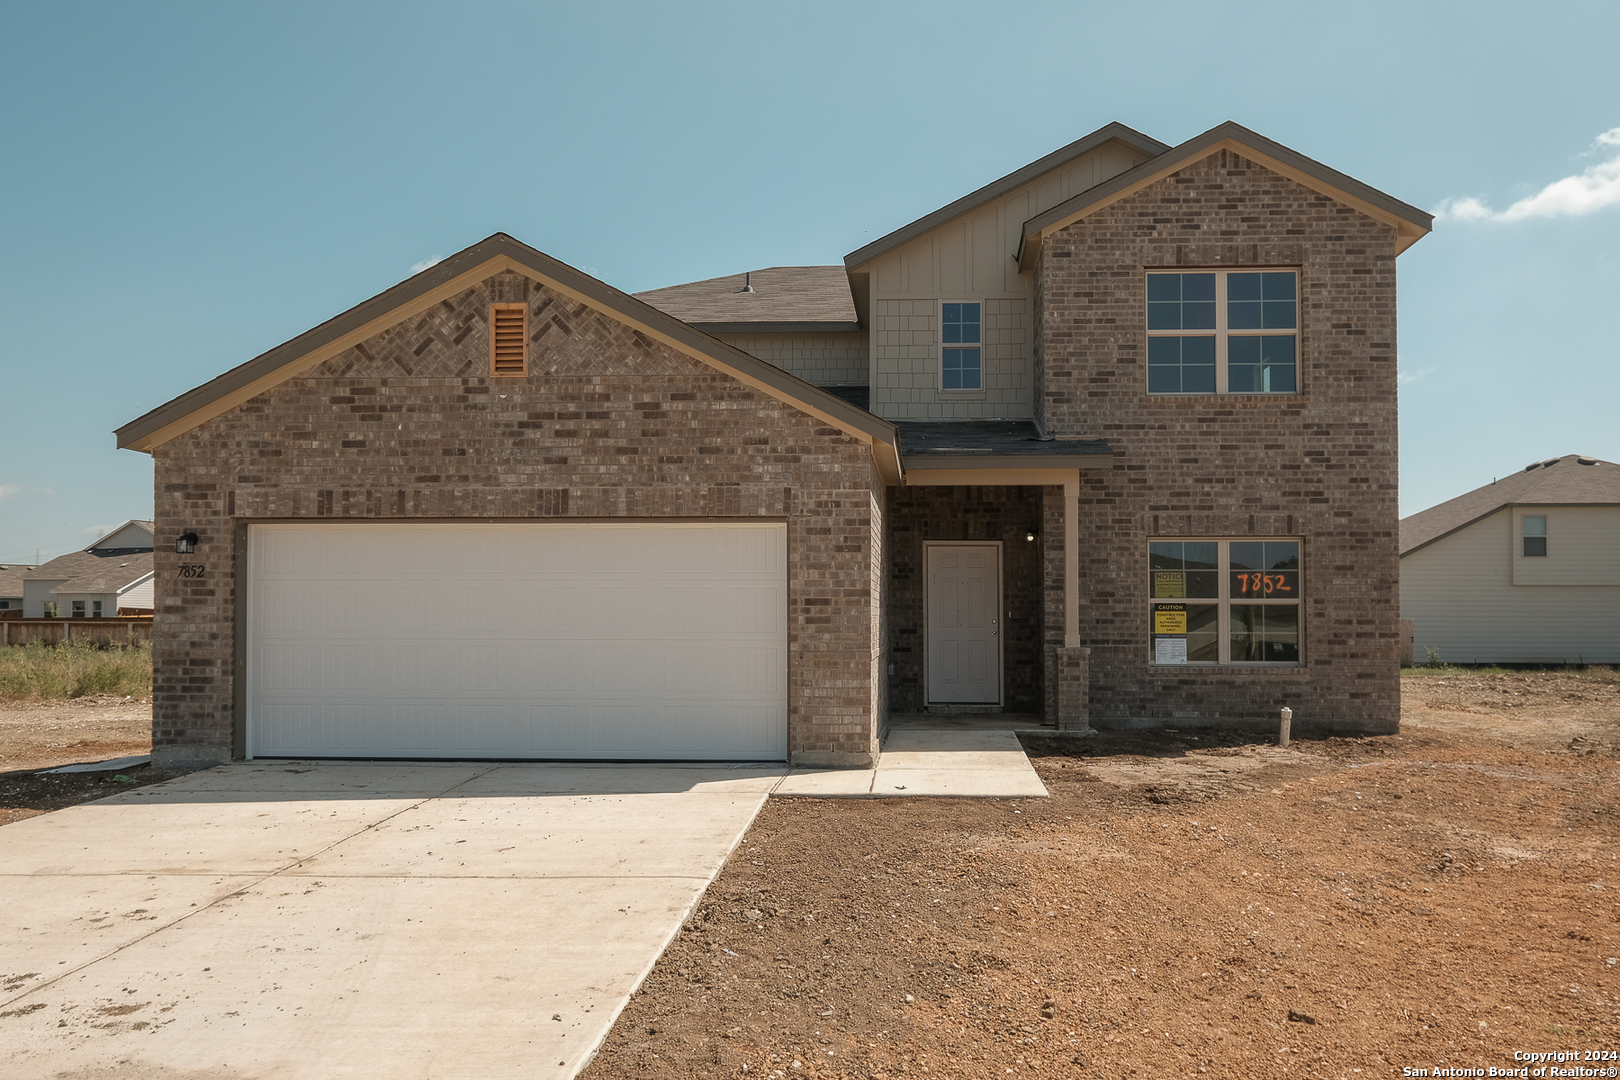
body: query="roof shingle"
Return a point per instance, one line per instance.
(1571, 480)
(781, 294)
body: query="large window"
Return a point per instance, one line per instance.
(961, 361)
(1223, 332)
(1224, 601)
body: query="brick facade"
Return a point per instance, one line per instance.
(1005, 514)
(1319, 465)
(611, 424)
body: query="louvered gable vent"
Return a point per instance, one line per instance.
(509, 339)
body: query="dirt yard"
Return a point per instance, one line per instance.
(1186, 903)
(43, 735)
(1183, 905)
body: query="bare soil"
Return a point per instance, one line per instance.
(1186, 903)
(43, 735)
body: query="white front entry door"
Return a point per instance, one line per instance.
(964, 625)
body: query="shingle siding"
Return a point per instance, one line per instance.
(610, 424)
(1320, 465)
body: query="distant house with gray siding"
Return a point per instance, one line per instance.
(112, 576)
(1523, 570)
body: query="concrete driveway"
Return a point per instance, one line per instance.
(347, 920)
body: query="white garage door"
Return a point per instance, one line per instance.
(647, 640)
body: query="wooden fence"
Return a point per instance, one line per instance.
(126, 631)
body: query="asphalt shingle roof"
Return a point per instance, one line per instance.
(782, 294)
(102, 570)
(1571, 480)
(11, 577)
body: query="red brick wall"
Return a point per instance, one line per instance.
(1320, 465)
(610, 424)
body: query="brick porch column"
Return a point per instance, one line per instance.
(1074, 689)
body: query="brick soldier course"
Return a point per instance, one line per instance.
(389, 413)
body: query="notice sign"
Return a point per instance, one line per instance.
(1170, 650)
(1171, 619)
(1172, 583)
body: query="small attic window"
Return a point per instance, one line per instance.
(509, 339)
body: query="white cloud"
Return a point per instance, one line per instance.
(417, 268)
(1407, 377)
(10, 489)
(1595, 188)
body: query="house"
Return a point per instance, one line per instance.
(11, 591)
(111, 577)
(1525, 569)
(1111, 439)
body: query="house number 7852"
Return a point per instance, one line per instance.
(193, 569)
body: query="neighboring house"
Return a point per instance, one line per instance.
(1127, 456)
(1523, 570)
(11, 591)
(113, 576)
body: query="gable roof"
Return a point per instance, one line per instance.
(1571, 480)
(777, 299)
(142, 533)
(11, 578)
(1410, 223)
(98, 570)
(1115, 132)
(461, 271)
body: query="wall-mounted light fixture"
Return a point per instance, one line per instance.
(1031, 535)
(185, 544)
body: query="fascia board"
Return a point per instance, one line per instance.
(1497, 509)
(494, 255)
(930, 462)
(778, 327)
(1114, 132)
(999, 477)
(1410, 223)
(142, 580)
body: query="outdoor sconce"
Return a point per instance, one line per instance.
(186, 544)
(1031, 535)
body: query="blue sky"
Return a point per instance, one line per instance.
(187, 185)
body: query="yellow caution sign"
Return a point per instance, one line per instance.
(1170, 620)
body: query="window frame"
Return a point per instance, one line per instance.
(1526, 536)
(950, 347)
(1223, 602)
(1223, 333)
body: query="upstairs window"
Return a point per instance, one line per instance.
(509, 339)
(1223, 332)
(1535, 535)
(961, 351)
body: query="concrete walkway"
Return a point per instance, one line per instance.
(347, 920)
(961, 760)
(400, 921)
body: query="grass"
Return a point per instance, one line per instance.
(41, 672)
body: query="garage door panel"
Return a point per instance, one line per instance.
(570, 640)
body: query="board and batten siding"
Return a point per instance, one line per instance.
(970, 258)
(1461, 594)
(821, 359)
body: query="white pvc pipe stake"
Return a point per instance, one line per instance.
(1287, 719)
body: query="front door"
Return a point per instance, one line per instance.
(964, 625)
